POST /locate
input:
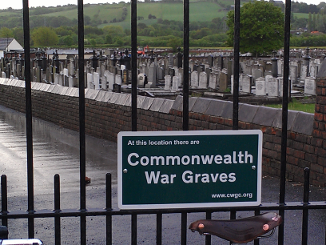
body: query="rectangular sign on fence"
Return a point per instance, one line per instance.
(188, 169)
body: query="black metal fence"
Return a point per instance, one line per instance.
(108, 212)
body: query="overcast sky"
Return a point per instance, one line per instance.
(17, 4)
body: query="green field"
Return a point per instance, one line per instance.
(301, 15)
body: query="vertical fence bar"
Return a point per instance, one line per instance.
(108, 207)
(82, 143)
(4, 199)
(29, 133)
(256, 241)
(233, 215)
(183, 228)
(134, 229)
(159, 229)
(305, 207)
(236, 43)
(134, 65)
(185, 122)
(57, 201)
(208, 239)
(284, 115)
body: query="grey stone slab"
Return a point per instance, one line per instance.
(108, 96)
(166, 107)
(128, 101)
(277, 123)
(34, 85)
(73, 92)
(247, 112)
(201, 105)
(192, 101)
(57, 89)
(265, 116)
(100, 96)
(215, 108)
(114, 98)
(91, 94)
(227, 110)
(13, 82)
(122, 99)
(156, 105)
(322, 70)
(64, 90)
(177, 105)
(147, 103)
(21, 84)
(51, 88)
(5, 81)
(303, 123)
(140, 100)
(45, 87)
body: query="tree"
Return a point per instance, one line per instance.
(44, 37)
(6, 32)
(261, 27)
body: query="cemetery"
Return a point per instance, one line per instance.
(211, 73)
(159, 103)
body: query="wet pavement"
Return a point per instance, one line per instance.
(56, 151)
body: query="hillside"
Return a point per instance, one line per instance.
(104, 14)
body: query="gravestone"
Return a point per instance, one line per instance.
(56, 78)
(104, 82)
(141, 80)
(110, 79)
(293, 73)
(118, 79)
(167, 85)
(175, 81)
(194, 79)
(223, 81)
(203, 80)
(280, 67)
(310, 86)
(245, 84)
(152, 75)
(303, 72)
(61, 79)
(272, 86)
(212, 81)
(71, 82)
(256, 73)
(260, 86)
(90, 83)
(313, 70)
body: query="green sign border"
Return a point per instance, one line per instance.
(200, 133)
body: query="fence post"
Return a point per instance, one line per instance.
(57, 201)
(305, 207)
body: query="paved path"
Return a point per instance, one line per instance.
(56, 152)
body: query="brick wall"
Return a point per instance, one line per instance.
(108, 113)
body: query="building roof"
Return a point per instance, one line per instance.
(4, 42)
